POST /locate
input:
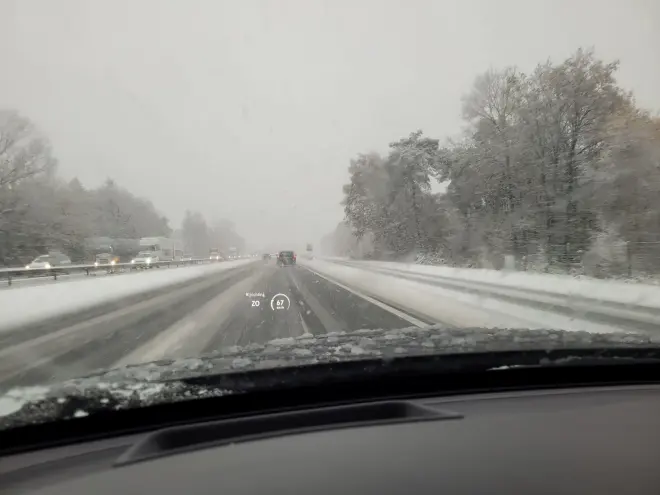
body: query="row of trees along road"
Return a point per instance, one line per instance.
(557, 168)
(40, 212)
(200, 237)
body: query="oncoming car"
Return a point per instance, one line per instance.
(214, 255)
(145, 259)
(48, 261)
(106, 259)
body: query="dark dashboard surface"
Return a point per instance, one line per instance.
(596, 440)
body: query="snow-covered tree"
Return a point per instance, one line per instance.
(552, 165)
(39, 212)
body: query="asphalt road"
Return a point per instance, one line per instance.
(253, 303)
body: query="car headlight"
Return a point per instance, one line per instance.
(148, 260)
(27, 267)
(133, 261)
(47, 265)
(113, 262)
(96, 263)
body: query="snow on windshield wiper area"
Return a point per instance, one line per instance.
(228, 372)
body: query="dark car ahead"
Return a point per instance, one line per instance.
(286, 258)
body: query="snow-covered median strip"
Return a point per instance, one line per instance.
(565, 285)
(453, 307)
(31, 304)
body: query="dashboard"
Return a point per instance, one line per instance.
(574, 440)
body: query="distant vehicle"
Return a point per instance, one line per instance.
(126, 249)
(106, 259)
(266, 257)
(161, 248)
(309, 248)
(104, 249)
(145, 259)
(286, 258)
(48, 261)
(105, 256)
(186, 257)
(214, 254)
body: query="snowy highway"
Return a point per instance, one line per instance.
(250, 303)
(195, 311)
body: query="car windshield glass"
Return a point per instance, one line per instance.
(428, 176)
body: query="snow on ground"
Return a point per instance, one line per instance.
(48, 279)
(33, 303)
(603, 290)
(451, 307)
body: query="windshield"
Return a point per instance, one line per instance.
(440, 174)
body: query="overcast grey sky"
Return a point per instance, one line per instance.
(251, 110)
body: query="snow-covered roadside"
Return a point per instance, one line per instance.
(603, 290)
(30, 304)
(452, 307)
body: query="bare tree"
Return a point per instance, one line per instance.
(24, 153)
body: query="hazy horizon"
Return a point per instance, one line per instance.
(251, 111)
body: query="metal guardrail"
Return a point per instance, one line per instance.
(9, 274)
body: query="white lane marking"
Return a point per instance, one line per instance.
(328, 319)
(394, 311)
(304, 325)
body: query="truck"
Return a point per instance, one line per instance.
(159, 248)
(233, 253)
(214, 254)
(126, 249)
